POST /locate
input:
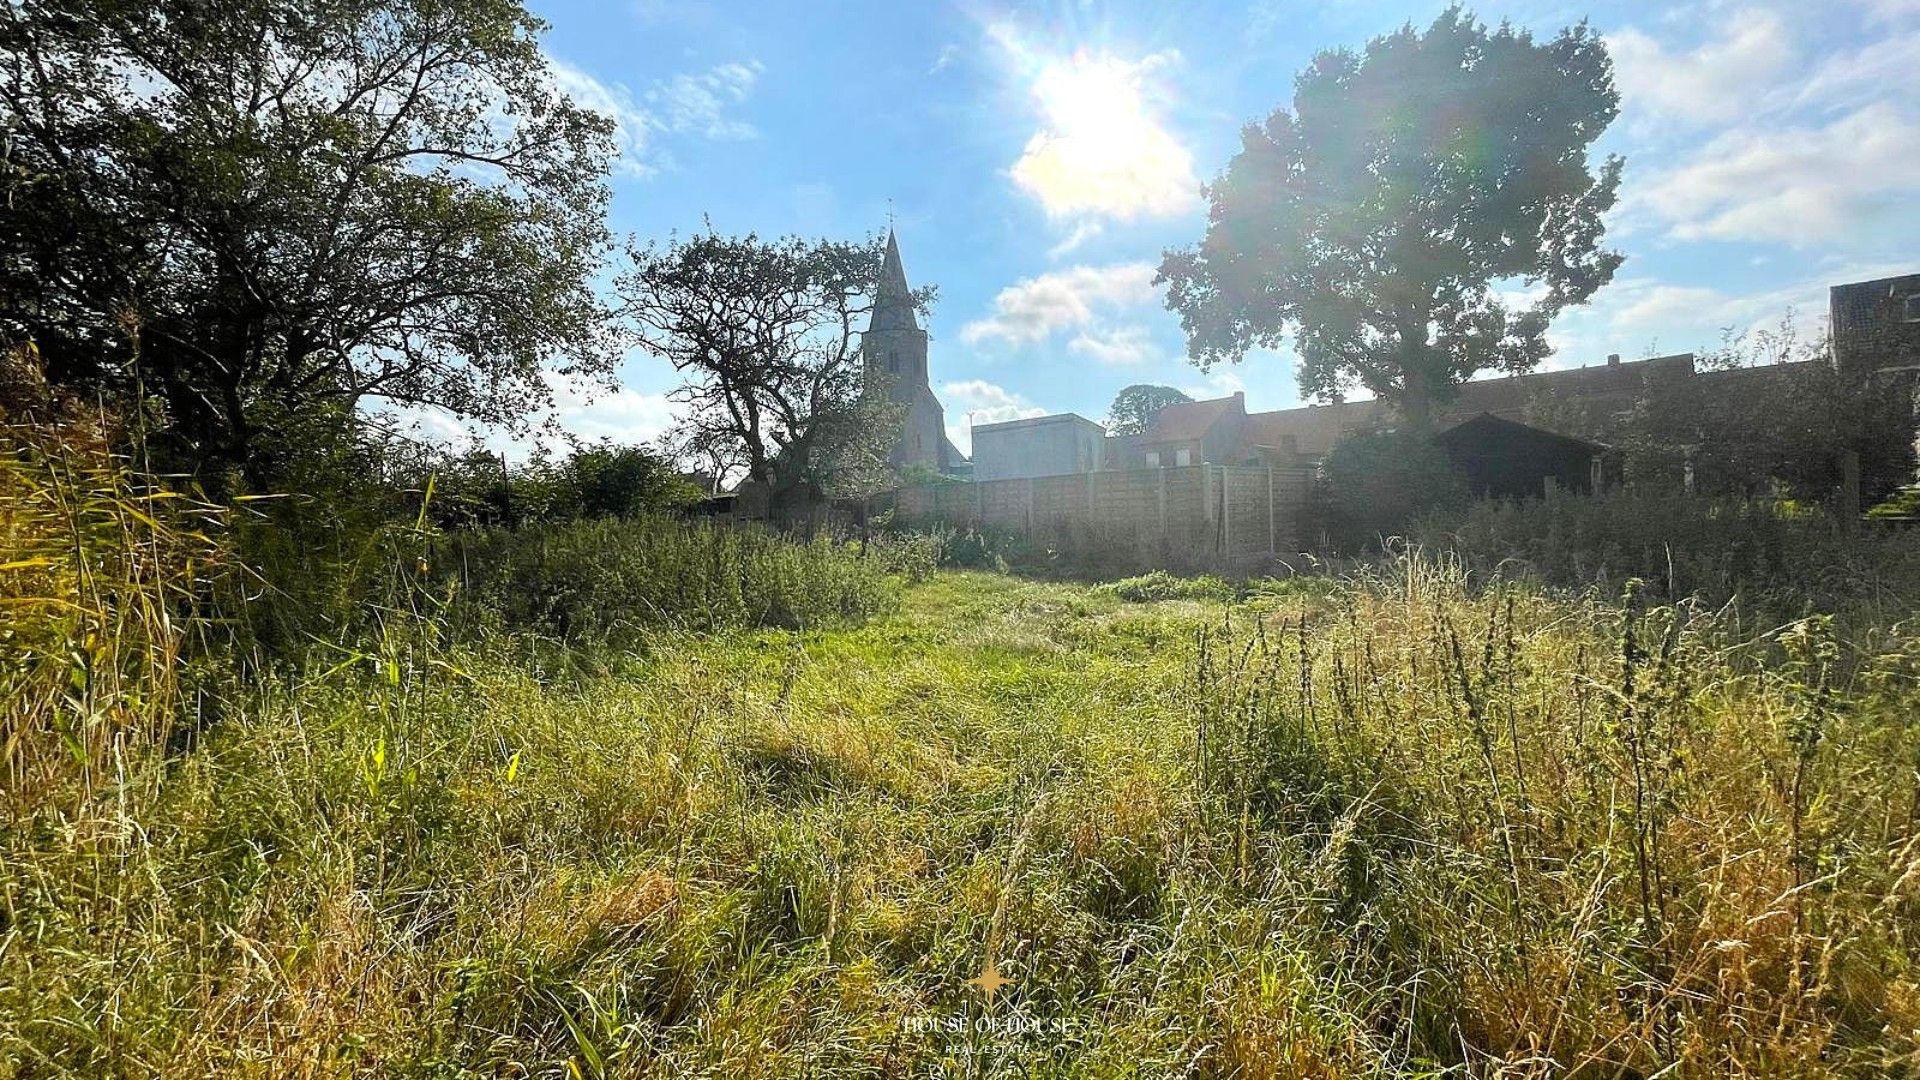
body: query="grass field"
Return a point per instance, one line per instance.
(1377, 827)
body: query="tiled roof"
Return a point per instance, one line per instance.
(1189, 420)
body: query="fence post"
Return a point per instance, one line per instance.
(1270, 537)
(1165, 540)
(1850, 490)
(1226, 511)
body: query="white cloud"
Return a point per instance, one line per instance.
(1124, 346)
(1036, 308)
(699, 103)
(1083, 231)
(976, 401)
(1803, 186)
(1102, 148)
(695, 104)
(587, 411)
(1655, 303)
(621, 414)
(1877, 72)
(1717, 81)
(632, 125)
(1217, 383)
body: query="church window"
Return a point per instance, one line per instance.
(1910, 308)
(893, 363)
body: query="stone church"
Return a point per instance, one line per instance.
(894, 352)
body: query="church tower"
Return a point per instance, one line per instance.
(894, 352)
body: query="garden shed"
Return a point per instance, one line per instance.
(1505, 459)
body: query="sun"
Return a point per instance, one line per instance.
(1102, 146)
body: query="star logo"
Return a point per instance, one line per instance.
(990, 980)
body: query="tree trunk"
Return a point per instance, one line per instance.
(1420, 387)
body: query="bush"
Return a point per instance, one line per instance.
(609, 581)
(1786, 560)
(1376, 485)
(914, 556)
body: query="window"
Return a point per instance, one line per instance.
(1910, 308)
(1183, 456)
(893, 363)
(1153, 459)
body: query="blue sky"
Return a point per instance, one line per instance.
(1038, 158)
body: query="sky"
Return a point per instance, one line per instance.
(1037, 159)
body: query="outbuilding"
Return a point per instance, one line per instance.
(1505, 459)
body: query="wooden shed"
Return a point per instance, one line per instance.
(1505, 459)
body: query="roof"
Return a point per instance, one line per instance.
(1311, 427)
(1036, 421)
(893, 301)
(1188, 420)
(1315, 428)
(1511, 393)
(1489, 424)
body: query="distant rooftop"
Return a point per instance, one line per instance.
(1035, 421)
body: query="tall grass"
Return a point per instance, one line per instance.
(104, 578)
(1780, 560)
(1596, 839)
(593, 582)
(1413, 823)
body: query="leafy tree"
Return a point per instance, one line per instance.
(767, 335)
(602, 480)
(263, 211)
(1134, 408)
(1771, 412)
(1387, 217)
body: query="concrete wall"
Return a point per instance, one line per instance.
(1042, 446)
(1197, 517)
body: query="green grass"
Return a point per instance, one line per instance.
(1194, 846)
(1409, 821)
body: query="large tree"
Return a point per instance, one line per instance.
(262, 211)
(767, 335)
(1393, 217)
(1134, 408)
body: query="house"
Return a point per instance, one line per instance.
(1040, 446)
(1221, 431)
(1188, 433)
(1876, 324)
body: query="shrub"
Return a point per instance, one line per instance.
(1160, 585)
(609, 581)
(1783, 560)
(914, 556)
(1375, 485)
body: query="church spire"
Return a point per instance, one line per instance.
(893, 302)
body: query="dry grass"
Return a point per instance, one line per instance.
(1394, 826)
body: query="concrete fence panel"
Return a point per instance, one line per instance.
(1187, 517)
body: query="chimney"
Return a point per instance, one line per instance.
(1239, 401)
(1613, 359)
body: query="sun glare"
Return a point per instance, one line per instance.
(1102, 147)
